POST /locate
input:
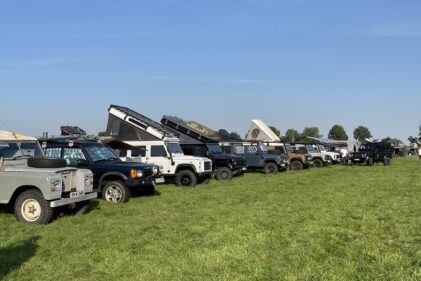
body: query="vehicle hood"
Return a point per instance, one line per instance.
(186, 158)
(21, 166)
(121, 165)
(226, 156)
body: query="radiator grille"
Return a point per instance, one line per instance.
(69, 181)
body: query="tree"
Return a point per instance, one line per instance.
(275, 130)
(396, 142)
(310, 132)
(361, 133)
(235, 135)
(292, 135)
(412, 139)
(337, 133)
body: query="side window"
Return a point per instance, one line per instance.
(158, 151)
(120, 152)
(72, 155)
(251, 149)
(238, 149)
(141, 151)
(52, 152)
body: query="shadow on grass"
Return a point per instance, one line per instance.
(14, 256)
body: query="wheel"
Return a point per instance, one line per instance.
(296, 165)
(32, 208)
(45, 162)
(387, 161)
(223, 174)
(186, 178)
(270, 169)
(318, 163)
(370, 161)
(115, 192)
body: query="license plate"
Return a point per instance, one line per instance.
(356, 159)
(159, 180)
(76, 194)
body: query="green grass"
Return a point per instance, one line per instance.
(336, 223)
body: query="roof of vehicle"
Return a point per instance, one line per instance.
(10, 136)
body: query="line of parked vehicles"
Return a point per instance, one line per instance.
(40, 175)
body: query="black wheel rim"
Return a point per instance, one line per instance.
(224, 175)
(271, 169)
(186, 180)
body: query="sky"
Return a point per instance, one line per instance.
(292, 63)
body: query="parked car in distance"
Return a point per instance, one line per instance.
(257, 157)
(113, 178)
(296, 160)
(318, 159)
(36, 185)
(373, 152)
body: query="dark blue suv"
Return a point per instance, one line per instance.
(113, 178)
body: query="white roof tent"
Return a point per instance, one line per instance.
(259, 131)
(125, 124)
(10, 136)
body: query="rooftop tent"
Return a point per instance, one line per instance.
(8, 136)
(227, 137)
(71, 130)
(189, 132)
(259, 131)
(125, 124)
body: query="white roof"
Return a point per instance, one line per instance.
(259, 131)
(5, 135)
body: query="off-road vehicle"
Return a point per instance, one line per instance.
(371, 152)
(335, 156)
(199, 140)
(113, 178)
(156, 145)
(257, 156)
(36, 185)
(296, 160)
(318, 159)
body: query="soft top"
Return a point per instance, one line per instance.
(10, 136)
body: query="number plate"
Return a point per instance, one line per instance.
(356, 159)
(159, 180)
(76, 194)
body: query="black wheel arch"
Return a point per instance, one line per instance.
(110, 176)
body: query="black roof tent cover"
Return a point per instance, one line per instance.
(227, 137)
(190, 132)
(134, 126)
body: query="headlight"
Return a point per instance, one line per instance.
(234, 162)
(89, 180)
(136, 174)
(55, 185)
(155, 170)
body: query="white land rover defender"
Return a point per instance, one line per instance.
(156, 145)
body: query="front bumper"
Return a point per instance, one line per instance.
(141, 182)
(68, 201)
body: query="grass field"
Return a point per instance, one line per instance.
(335, 223)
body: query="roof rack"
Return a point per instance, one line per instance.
(190, 128)
(75, 137)
(140, 121)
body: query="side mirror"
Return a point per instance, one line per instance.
(82, 162)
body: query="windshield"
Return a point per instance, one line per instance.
(263, 147)
(20, 149)
(214, 149)
(322, 148)
(174, 148)
(289, 147)
(101, 153)
(311, 149)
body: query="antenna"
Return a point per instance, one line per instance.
(7, 127)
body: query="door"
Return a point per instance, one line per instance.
(158, 155)
(252, 156)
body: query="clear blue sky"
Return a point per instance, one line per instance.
(290, 63)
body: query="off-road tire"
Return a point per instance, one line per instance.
(115, 192)
(33, 202)
(387, 161)
(224, 174)
(318, 163)
(270, 169)
(296, 165)
(370, 161)
(45, 162)
(186, 178)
